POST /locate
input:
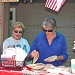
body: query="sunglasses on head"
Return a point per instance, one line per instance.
(16, 31)
(47, 30)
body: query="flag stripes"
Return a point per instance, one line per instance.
(54, 4)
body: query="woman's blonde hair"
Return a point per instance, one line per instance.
(18, 25)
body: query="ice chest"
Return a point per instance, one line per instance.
(10, 61)
(13, 57)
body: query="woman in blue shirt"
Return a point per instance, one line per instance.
(49, 43)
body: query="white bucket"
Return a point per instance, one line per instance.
(73, 65)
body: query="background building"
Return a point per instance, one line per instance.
(32, 15)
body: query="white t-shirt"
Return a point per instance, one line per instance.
(22, 43)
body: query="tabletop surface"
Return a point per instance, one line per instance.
(23, 71)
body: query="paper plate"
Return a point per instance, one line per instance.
(10, 51)
(19, 52)
(36, 66)
(52, 58)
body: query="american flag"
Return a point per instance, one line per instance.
(54, 4)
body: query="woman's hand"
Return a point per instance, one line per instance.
(60, 57)
(34, 54)
(10, 47)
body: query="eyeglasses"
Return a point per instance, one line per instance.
(18, 31)
(47, 30)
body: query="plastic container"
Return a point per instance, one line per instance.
(73, 65)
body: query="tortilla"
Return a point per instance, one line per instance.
(52, 58)
(34, 60)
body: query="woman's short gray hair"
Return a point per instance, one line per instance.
(50, 22)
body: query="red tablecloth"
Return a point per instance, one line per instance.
(23, 71)
(19, 71)
(10, 71)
